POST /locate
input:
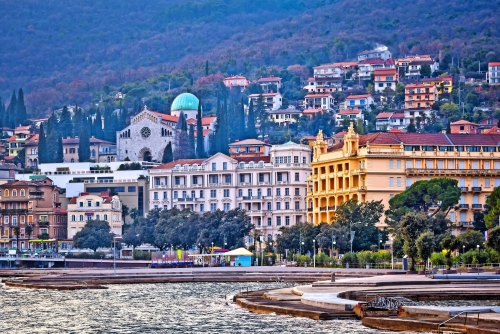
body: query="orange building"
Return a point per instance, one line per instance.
(249, 148)
(385, 78)
(464, 127)
(420, 96)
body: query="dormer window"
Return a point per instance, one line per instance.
(186, 167)
(195, 167)
(251, 164)
(261, 164)
(242, 165)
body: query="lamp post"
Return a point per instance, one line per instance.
(302, 246)
(333, 243)
(114, 254)
(351, 232)
(392, 253)
(314, 253)
(212, 247)
(300, 243)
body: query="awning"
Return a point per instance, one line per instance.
(239, 252)
(42, 240)
(4, 240)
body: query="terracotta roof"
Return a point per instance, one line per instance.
(311, 111)
(385, 71)
(418, 85)
(325, 66)
(108, 200)
(462, 122)
(235, 77)
(12, 138)
(317, 95)
(384, 115)
(398, 115)
(349, 112)
(475, 139)
(309, 137)
(345, 64)
(205, 133)
(340, 134)
(495, 63)
(205, 121)
(165, 117)
(269, 79)
(265, 158)
(72, 200)
(394, 130)
(363, 96)
(67, 141)
(180, 162)
(493, 130)
(265, 94)
(248, 142)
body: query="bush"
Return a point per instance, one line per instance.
(322, 259)
(349, 258)
(438, 259)
(95, 255)
(472, 257)
(301, 259)
(364, 258)
(142, 255)
(381, 256)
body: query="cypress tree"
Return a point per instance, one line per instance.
(168, 156)
(123, 117)
(200, 142)
(84, 146)
(224, 139)
(98, 131)
(60, 150)
(191, 147)
(241, 121)
(2, 114)
(65, 123)
(448, 128)
(42, 146)
(11, 110)
(77, 121)
(251, 131)
(21, 116)
(206, 68)
(52, 140)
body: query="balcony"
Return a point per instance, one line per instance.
(464, 189)
(477, 206)
(179, 186)
(254, 198)
(476, 189)
(43, 223)
(244, 184)
(159, 186)
(463, 206)
(186, 199)
(467, 224)
(322, 208)
(13, 211)
(332, 208)
(309, 209)
(282, 182)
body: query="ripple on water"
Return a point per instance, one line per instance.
(150, 308)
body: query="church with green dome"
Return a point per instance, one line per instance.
(187, 103)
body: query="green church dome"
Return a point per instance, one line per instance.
(185, 101)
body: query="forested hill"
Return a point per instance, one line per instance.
(57, 49)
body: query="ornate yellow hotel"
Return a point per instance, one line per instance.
(380, 165)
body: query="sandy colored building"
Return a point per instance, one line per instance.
(420, 96)
(89, 206)
(380, 165)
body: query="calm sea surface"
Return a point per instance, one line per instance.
(150, 308)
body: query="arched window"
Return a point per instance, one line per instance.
(259, 193)
(73, 218)
(6, 193)
(269, 193)
(14, 193)
(106, 217)
(72, 160)
(261, 164)
(22, 193)
(81, 218)
(251, 164)
(92, 153)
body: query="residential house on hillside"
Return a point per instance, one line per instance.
(285, 116)
(367, 67)
(464, 127)
(420, 96)
(443, 84)
(324, 85)
(272, 101)
(249, 148)
(409, 67)
(493, 74)
(385, 78)
(361, 102)
(236, 81)
(323, 101)
(380, 52)
(270, 84)
(352, 114)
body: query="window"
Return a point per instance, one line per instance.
(175, 194)
(165, 207)
(391, 196)
(278, 205)
(73, 218)
(97, 203)
(14, 193)
(240, 193)
(398, 164)
(80, 204)
(89, 203)
(80, 218)
(89, 217)
(391, 164)
(227, 178)
(226, 192)
(409, 164)
(213, 206)
(429, 164)
(297, 177)
(487, 183)
(213, 193)
(278, 191)
(279, 177)
(155, 195)
(269, 222)
(22, 193)
(6, 219)
(214, 166)
(224, 166)
(297, 205)
(269, 206)
(14, 220)
(202, 194)
(156, 207)
(165, 195)
(398, 182)
(226, 207)
(295, 159)
(98, 217)
(287, 191)
(131, 189)
(242, 178)
(6, 193)
(278, 221)
(409, 182)
(391, 182)
(304, 160)
(486, 165)
(287, 205)
(202, 207)
(269, 193)
(287, 220)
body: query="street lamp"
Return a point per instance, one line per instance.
(333, 243)
(212, 247)
(392, 253)
(302, 246)
(351, 232)
(114, 253)
(314, 253)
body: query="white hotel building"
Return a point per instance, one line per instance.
(272, 189)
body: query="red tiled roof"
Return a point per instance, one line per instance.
(12, 138)
(385, 71)
(254, 159)
(394, 130)
(398, 115)
(311, 111)
(417, 85)
(205, 121)
(317, 95)
(384, 115)
(309, 137)
(345, 64)
(180, 162)
(165, 117)
(248, 142)
(72, 200)
(349, 112)
(205, 133)
(493, 130)
(363, 96)
(235, 77)
(108, 200)
(340, 134)
(495, 63)
(462, 122)
(269, 79)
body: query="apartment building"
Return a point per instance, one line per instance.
(420, 96)
(443, 84)
(270, 188)
(361, 102)
(493, 74)
(323, 101)
(87, 206)
(380, 165)
(385, 78)
(271, 101)
(35, 204)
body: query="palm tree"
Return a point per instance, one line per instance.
(17, 231)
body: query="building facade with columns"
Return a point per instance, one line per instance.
(380, 165)
(271, 188)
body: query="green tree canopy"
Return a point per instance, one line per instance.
(494, 239)
(95, 234)
(492, 217)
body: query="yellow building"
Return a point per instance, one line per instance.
(380, 165)
(441, 83)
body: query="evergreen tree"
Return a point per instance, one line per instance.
(224, 139)
(123, 118)
(60, 150)
(21, 116)
(206, 68)
(65, 123)
(2, 115)
(168, 156)
(84, 146)
(262, 115)
(448, 128)
(251, 131)
(77, 121)
(191, 147)
(200, 142)
(42, 146)
(182, 139)
(52, 140)
(240, 119)
(98, 132)
(11, 110)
